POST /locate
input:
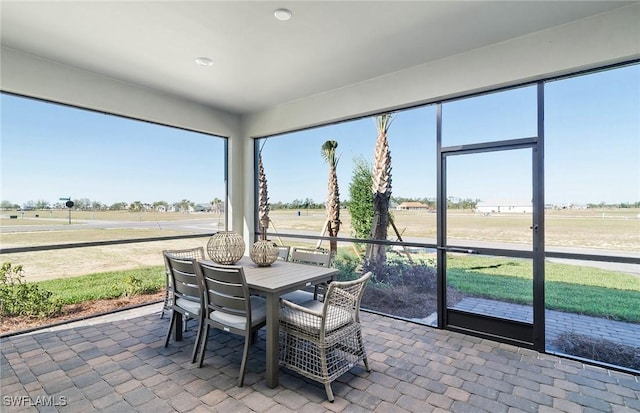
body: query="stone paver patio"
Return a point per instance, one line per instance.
(117, 363)
(557, 322)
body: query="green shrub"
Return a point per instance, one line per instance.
(347, 264)
(361, 205)
(136, 286)
(399, 272)
(133, 285)
(398, 287)
(20, 298)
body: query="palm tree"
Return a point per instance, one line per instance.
(381, 189)
(184, 205)
(263, 199)
(135, 206)
(333, 194)
(216, 205)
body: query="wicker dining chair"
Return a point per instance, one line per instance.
(311, 256)
(308, 256)
(186, 296)
(195, 253)
(322, 341)
(228, 306)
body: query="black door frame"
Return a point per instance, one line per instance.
(508, 331)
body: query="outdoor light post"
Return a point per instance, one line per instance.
(68, 204)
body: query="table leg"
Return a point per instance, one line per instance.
(179, 326)
(272, 345)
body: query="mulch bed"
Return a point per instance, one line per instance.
(76, 312)
(404, 302)
(601, 350)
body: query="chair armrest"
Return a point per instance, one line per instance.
(296, 307)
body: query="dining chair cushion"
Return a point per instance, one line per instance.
(192, 307)
(336, 317)
(258, 315)
(299, 297)
(315, 305)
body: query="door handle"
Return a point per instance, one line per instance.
(458, 249)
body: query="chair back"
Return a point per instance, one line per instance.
(283, 252)
(196, 253)
(225, 291)
(317, 257)
(342, 302)
(182, 274)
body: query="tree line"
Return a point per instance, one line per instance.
(85, 204)
(296, 204)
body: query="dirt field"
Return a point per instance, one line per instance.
(43, 265)
(601, 229)
(617, 229)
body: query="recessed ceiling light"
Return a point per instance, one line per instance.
(282, 14)
(204, 61)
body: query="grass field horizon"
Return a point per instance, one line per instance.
(575, 288)
(601, 229)
(608, 229)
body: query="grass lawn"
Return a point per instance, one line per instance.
(106, 285)
(576, 289)
(582, 290)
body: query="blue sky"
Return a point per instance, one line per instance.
(50, 151)
(592, 150)
(592, 142)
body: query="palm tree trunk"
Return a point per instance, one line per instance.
(381, 188)
(333, 227)
(333, 195)
(263, 200)
(378, 253)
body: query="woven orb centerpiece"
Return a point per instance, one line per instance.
(225, 247)
(264, 252)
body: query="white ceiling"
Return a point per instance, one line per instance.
(261, 62)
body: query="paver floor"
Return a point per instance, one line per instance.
(558, 322)
(117, 363)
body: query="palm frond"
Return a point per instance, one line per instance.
(328, 152)
(383, 122)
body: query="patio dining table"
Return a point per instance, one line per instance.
(272, 282)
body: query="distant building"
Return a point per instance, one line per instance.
(504, 207)
(413, 206)
(203, 208)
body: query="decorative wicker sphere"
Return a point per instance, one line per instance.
(225, 247)
(264, 252)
